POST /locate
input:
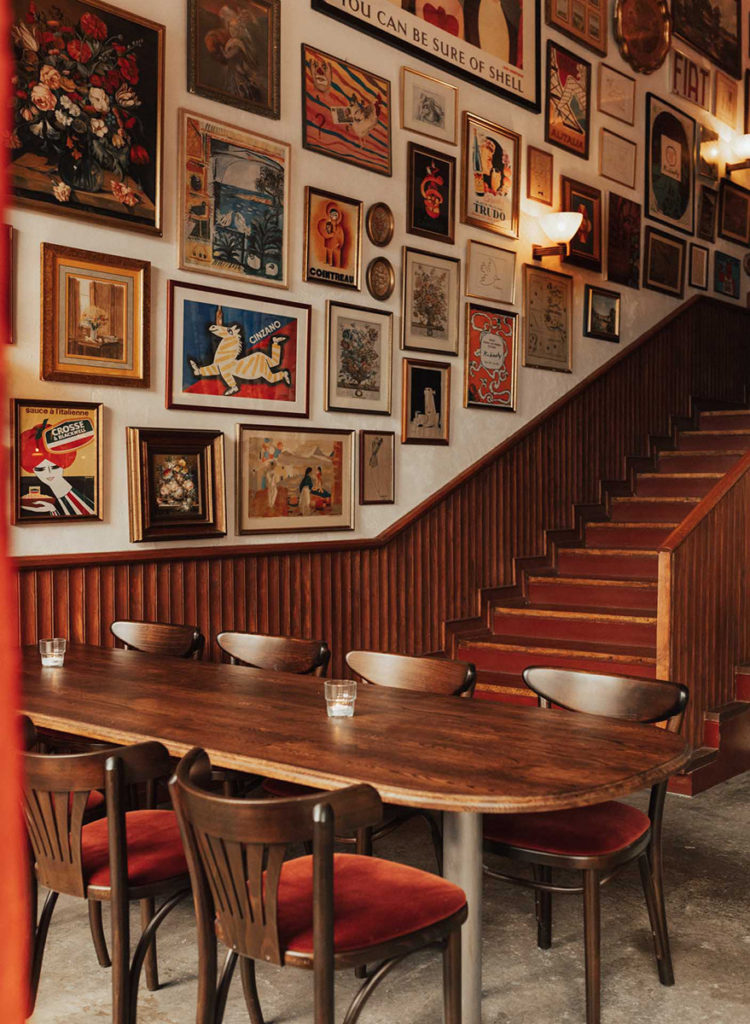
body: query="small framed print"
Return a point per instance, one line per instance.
(734, 212)
(539, 169)
(377, 467)
(726, 275)
(708, 204)
(431, 198)
(698, 275)
(709, 150)
(428, 106)
(431, 287)
(582, 20)
(381, 278)
(601, 313)
(664, 263)
(380, 224)
(567, 121)
(426, 402)
(490, 370)
(616, 96)
(726, 98)
(670, 164)
(490, 172)
(624, 241)
(585, 247)
(490, 272)
(57, 461)
(617, 158)
(548, 317)
(359, 351)
(333, 239)
(176, 484)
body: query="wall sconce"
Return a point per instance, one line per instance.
(559, 228)
(741, 147)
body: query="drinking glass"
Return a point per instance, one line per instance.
(52, 651)
(340, 697)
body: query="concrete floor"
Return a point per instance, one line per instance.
(707, 866)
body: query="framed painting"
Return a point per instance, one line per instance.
(96, 317)
(726, 99)
(734, 212)
(429, 106)
(490, 272)
(539, 165)
(333, 239)
(698, 272)
(567, 121)
(233, 53)
(616, 96)
(234, 202)
(582, 20)
(617, 158)
(714, 31)
(377, 467)
(346, 111)
(664, 263)
(426, 402)
(585, 247)
(548, 318)
(726, 275)
(57, 461)
(359, 352)
(495, 47)
(601, 313)
(709, 151)
(176, 486)
(88, 109)
(237, 353)
(431, 194)
(291, 479)
(491, 365)
(491, 176)
(431, 288)
(708, 203)
(624, 241)
(670, 164)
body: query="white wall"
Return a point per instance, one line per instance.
(419, 470)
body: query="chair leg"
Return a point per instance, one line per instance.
(222, 990)
(543, 907)
(250, 990)
(97, 933)
(39, 941)
(452, 978)
(437, 840)
(653, 891)
(152, 970)
(120, 915)
(591, 931)
(363, 848)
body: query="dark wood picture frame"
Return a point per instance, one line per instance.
(569, 128)
(370, 474)
(727, 274)
(665, 122)
(594, 325)
(708, 206)
(338, 236)
(590, 31)
(726, 51)
(624, 217)
(432, 198)
(663, 253)
(585, 247)
(418, 375)
(734, 212)
(696, 279)
(430, 313)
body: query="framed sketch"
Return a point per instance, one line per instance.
(377, 467)
(431, 193)
(726, 98)
(664, 263)
(585, 247)
(381, 278)
(491, 176)
(346, 111)
(734, 212)
(722, 45)
(567, 121)
(698, 273)
(429, 106)
(87, 114)
(233, 53)
(380, 224)
(548, 318)
(709, 150)
(539, 165)
(57, 461)
(237, 353)
(96, 317)
(490, 272)
(643, 32)
(426, 402)
(291, 479)
(690, 80)
(601, 313)
(670, 167)
(582, 20)
(176, 486)
(617, 158)
(234, 202)
(624, 241)
(333, 239)
(359, 351)
(496, 49)
(491, 366)
(616, 96)
(726, 275)
(431, 288)
(708, 204)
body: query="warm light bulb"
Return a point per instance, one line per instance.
(741, 146)
(710, 150)
(560, 227)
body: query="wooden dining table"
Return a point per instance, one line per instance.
(462, 757)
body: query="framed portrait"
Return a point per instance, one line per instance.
(9, 242)
(548, 318)
(734, 212)
(426, 402)
(585, 247)
(333, 239)
(643, 32)
(726, 275)
(690, 81)
(664, 263)
(709, 150)
(431, 194)
(670, 167)
(624, 241)
(237, 353)
(496, 49)
(720, 46)
(539, 165)
(233, 53)
(708, 204)
(88, 109)
(429, 106)
(176, 486)
(380, 224)
(491, 176)
(431, 288)
(291, 479)
(490, 272)
(582, 20)
(377, 467)
(491, 365)
(567, 121)
(359, 353)
(96, 317)
(57, 461)
(616, 95)
(234, 202)
(380, 278)
(617, 158)
(726, 98)
(601, 313)
(698, 272)
(346, 111)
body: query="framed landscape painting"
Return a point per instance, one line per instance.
(491, 366)
(431, 193)
(624, 241)
(567, 120)
(664, 263)
(333, 239)
(670, 164)
(713, 28)
(491, 175)
(377, 467)
(548, 316)
(359, 352)
(601, 313)
(426, 402)
(432, 285)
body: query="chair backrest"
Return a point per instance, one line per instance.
(276, 653)
(236, 849)
(431, 675)
(175, 641)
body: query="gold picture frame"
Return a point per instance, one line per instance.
(426, 402)
(490, 155)
(358, 359)
(433, 110)
(332, 248)
(548, 319)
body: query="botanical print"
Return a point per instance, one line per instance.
(175, 483)
(491, 166)
(346, 111)
(624, 241)
(87, 110)
(235, 200)
(568, 118)
(670, 147)
(490, 373)
(548, 301)
(726, 275)
(428, 106)
(376, 467)
(430, 313)
(431, 194)
(713, 28)
(358, 363)
(708, 201)
(426, 402)
(490, 272)
(333, 239)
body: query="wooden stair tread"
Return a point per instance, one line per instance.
(630, 552)
(680, 476)
(686, 452)
(728, 432)
(596, 581)
(615, 652)
(667, 499)
(604, 523)
(594, 614)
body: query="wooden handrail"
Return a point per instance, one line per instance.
(706, 505)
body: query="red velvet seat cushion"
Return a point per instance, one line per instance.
(280, 788)
(579, 832)
(154, 849)
(95, 801)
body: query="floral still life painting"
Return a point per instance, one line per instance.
(430, 301)
(86, 127)
(491, 358)
(358, 359)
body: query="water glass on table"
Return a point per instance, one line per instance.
(340, 697)
(52, 651)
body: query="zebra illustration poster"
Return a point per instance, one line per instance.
(236, 353)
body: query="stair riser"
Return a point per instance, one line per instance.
(705, 442)
(687, 463)
(509, 663)
(550, 627)
(600, 535)
(743, 685)
(725, 421)
(581, 595)
(625, 567)
(673, 487)
(649, 511)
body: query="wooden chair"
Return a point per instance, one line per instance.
(169, 639)
(601, 839)
(263, 907)
(276, 653)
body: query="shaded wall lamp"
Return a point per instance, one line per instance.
(559, 228)
(741, 147)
